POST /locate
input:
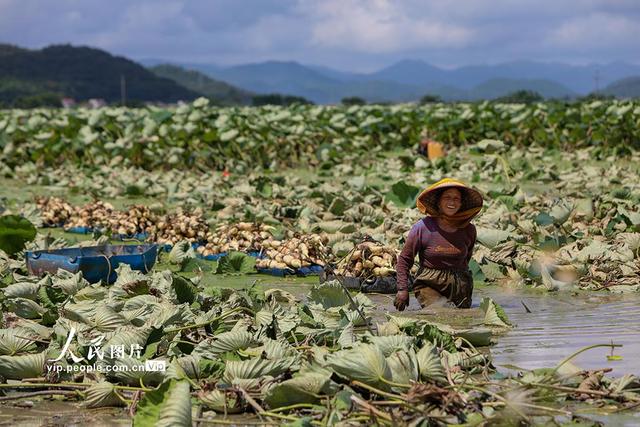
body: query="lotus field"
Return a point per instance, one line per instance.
(233, 326)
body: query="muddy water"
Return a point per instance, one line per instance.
(559, 324)
(562, 323)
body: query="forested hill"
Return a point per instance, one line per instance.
(81, 73)
(220, 92)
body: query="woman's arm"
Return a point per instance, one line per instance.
(474, 235)
(408, 255)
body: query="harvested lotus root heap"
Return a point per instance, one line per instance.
(181, 225)
(368, 259)
(243, 237)
(297, 252)
(137, 219)
(54, 211)
(94, 215)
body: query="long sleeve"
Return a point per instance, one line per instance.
(472, 244)
(407, 256)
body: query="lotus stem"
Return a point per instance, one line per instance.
(392, 384)
(582, 350)
(215, 319)
(375, 390)
(39, 393)
(295, 406)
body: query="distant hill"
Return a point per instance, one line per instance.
(624, 88)
(296, 79)
(81, 73)
(577, 78)
(220, 92)
(409, 80)
(496, 88)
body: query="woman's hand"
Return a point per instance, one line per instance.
(402, 300)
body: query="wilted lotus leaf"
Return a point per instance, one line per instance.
(68, 282)
(27, 290)
(22, 366)
(225, 342)
(131, 370)
(102, 394)
(304, 388)
(255, 368)
(464, 359)
(25, 308)
(16, 341)
(632, 240)
(550, 282)
(488, 146)
(106, 319)
(492, 237)
(222, 402)
(561, 211)
(365, 363)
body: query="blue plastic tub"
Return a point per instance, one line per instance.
(97, 263)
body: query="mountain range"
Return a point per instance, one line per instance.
(81, 73)
(410, 79)
(29, 77)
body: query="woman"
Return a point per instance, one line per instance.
(444, 241)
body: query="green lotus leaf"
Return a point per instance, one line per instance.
(404, 367)
(430, 365)
(15, 232)
(328, 294)
(392, 343)
(494, 315)
(403, 195)
(167, 406)
(181, 252)
(236, 263)
(365, 363)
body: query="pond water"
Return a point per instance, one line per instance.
(559, 324)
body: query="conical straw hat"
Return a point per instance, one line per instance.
(427, 201)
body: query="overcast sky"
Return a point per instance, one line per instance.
(356, 35)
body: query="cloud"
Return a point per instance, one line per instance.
(598, 30)
(350, 34)
(380, 26)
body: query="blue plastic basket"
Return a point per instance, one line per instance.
(97, 263)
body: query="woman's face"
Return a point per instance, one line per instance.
(450, 202)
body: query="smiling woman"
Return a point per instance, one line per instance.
(444, 242)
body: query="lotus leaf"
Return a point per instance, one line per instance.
(15, 232)
(102, 394)
(169, 405)
(365, 363)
